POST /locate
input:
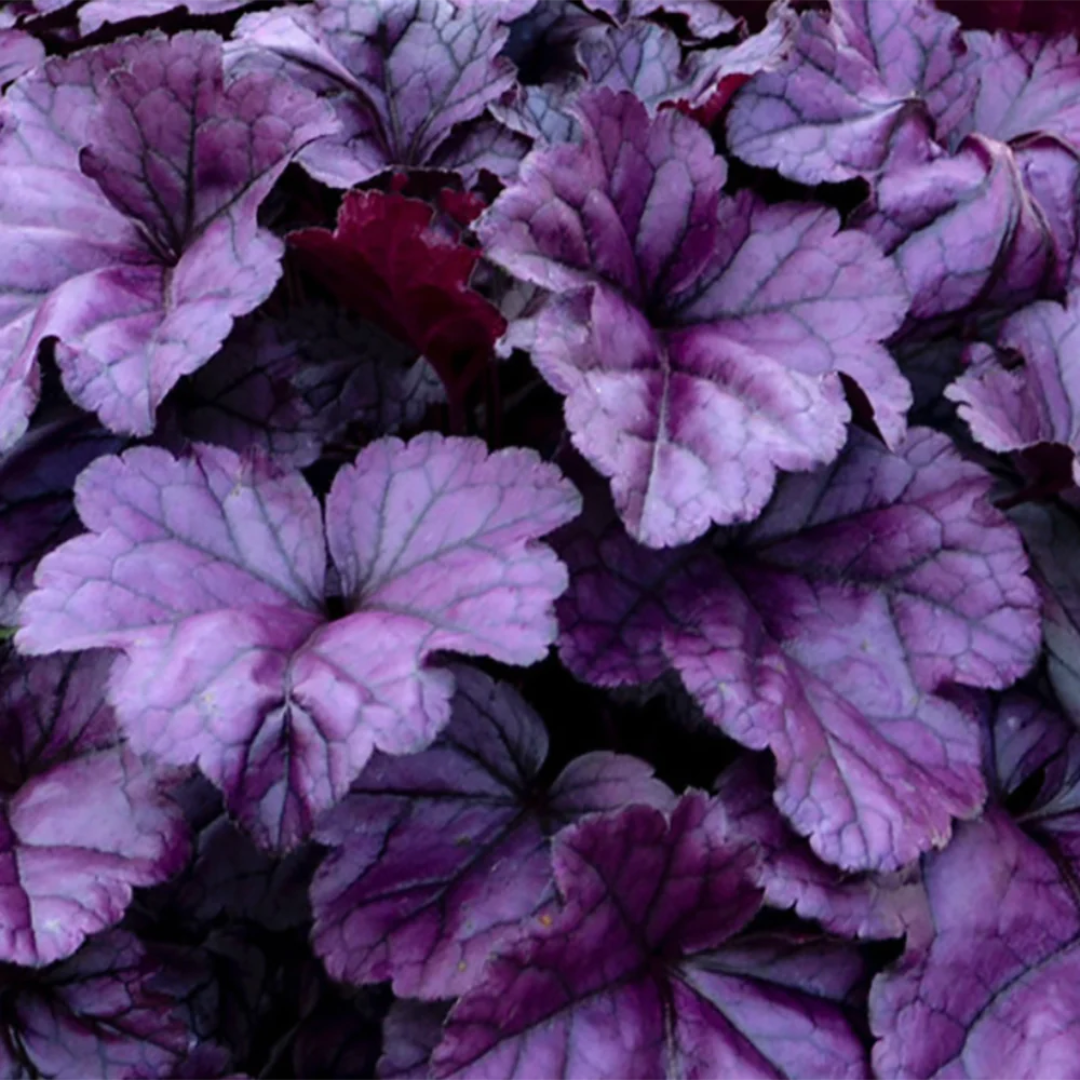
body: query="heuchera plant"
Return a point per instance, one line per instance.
(540, 538)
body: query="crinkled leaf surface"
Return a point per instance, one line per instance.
(36, 510)
(872, 83)
(210, 572)
(1014, 407)
(995, 992)
(95, 1014)
(412, 889)
(641, 973)
(704, 18)
(1052, 534)
(130, 177)
(851, 905)
(699, 340)
(401, 75)
(822, 632)
(64, 876)
(385, 262)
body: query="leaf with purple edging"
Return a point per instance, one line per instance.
(210, 572)
(130, 178)
(699, 340)
(411, 890)
(643, 972)
(823, 633)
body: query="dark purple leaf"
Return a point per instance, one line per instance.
(411, 1032)
(36, 511)
(641, 972)
(1053, 541)
(873, 83)
(699, 340)
(97, 1014)
(823, 633)
(401, 75)
(412, 890)
(996, 991)
(130, 177)
(210, 572)
(64, 876)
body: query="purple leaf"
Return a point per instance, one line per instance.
(851, 905)
(823, 632)
(869, 85)
(1012, 408)
(20, 52)
(95, 14)
(641, 972)
(412, 889)
(988, 227)
(96, 1014)
(1053, 541)
(36, 511)
(411, 1032)
(699, 340)
(704, 18)
(994, 993)
(401, 76)
(1028, 84)
(65, 876)
(130, 177)
(210, 573)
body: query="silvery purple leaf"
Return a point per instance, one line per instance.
(211, 572)
(412, 889)
(96, 13)
(20, 52)
(64, 876)
(699, 340)
(704, 18)
(642, 972)
(130, 177)
(823, 632)
(401, 75)
(873, 83)
(995, 990)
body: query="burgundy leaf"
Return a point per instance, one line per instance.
(641, 973)
(412, 889)
(130, 177)
(211, 574)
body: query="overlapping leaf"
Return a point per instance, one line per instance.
(823, 632)
(642, 971)
(95, 1014)
(411, 890)
(65, 876)
(211, 573)
(699, 340)
(130, 177)
(409, 81)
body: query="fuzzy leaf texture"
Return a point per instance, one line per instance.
(210, 573)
